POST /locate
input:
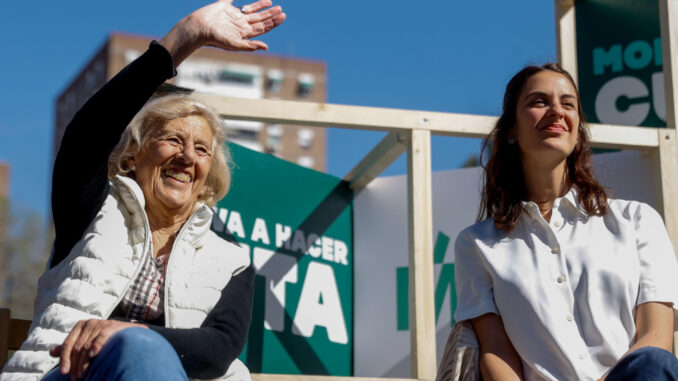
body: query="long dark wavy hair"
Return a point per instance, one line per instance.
(504, 184)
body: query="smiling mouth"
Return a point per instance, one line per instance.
(179, 176)
(554, 127)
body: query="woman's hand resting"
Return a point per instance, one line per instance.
(84, 343)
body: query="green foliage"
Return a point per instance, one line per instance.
(24, 248)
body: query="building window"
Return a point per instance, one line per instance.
(273, 134)
(236, 77)
(274, 80)
(245, 138)
(305, 137)
(305, 84)
(131, 55)
(306, 161)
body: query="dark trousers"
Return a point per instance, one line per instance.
(647, 363)
(133, 354)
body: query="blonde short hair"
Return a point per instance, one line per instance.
(154, 115)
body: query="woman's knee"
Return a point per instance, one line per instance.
(137, 354)
(137, 339)
(647, 363)
(654, 356)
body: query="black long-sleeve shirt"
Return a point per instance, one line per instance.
(80, 186)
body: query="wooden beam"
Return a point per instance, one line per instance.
(397, 120)
(668, 16)
(296, 377)
(420, 223)
(566, 36)
(352, 117)
(623, 137)
(378, 159)
(668, 156)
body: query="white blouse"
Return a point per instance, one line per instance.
(567, 289)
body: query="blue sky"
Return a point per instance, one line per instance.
(439, 55)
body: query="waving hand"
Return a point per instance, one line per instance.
(222, 25)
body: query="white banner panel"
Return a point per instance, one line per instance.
(381, 337)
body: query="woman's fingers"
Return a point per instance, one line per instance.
(111, 328)
(80, 371)
(91, 332)
(67, 347)
(253, 18)
(107, 329)
(79, 352)
(260, 45)
(56, 351)
(262, 27)
(256, 6)
(97, 341)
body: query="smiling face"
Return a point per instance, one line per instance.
(172, 167)
(547, 117)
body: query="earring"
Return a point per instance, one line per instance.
(511, 140)
(134, 167)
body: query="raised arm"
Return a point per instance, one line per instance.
(80, 177)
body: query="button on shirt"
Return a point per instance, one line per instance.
(566, 290)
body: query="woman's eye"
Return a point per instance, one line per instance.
(538, 102)
(173, 140)
(202, 150)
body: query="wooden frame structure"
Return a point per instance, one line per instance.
(410, 130)
(666, 137)
(13, 332)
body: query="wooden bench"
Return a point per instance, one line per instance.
(13, 332)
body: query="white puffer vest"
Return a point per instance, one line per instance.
(92, 280)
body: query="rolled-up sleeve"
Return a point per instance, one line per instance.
(473, 283)
(658, 266)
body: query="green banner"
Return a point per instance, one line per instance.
(619, 60)
(297, 223)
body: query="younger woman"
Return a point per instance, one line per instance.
(560, 282)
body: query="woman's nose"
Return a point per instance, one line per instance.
(188, 152)
(557, 110)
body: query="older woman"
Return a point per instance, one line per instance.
(138, 287)
(561, 282)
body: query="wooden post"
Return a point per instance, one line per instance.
(668, 16)
(668, 161)
(668, 152)
(4, 336)
(566, 36)
(420, 221)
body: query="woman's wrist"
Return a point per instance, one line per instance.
(182, 40)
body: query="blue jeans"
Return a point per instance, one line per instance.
(132, 354)
(647, 363)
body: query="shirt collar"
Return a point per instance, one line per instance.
(570, 201)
